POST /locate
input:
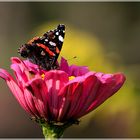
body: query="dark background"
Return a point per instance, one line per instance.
(113, 31)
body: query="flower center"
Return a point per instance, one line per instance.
(71, 78)
(43, 76)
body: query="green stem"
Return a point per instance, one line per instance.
(52, 131)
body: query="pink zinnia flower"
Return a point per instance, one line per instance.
(59, 96)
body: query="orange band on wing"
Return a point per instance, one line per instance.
(46, 49)
(57, 50)
(32, 40)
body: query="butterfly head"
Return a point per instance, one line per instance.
(24, 50)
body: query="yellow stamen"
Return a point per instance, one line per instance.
(71, 78)
(43, 76)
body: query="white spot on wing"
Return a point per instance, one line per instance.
(46, 40)
(57, 33)
(42, 53)
(52, 43)
(61, 38)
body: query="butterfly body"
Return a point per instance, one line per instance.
(44, 50)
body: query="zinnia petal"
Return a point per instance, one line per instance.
(55, 80)
(109, 85)
(76, 94)
(24, 64)
(39, 94)
(73, 70)
(17, 92)
(78, 70)
(64, 65)
(24, 70)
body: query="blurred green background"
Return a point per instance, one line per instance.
(103, 36)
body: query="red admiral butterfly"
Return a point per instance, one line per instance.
(44, 50)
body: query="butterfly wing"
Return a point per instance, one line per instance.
(45, 50)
